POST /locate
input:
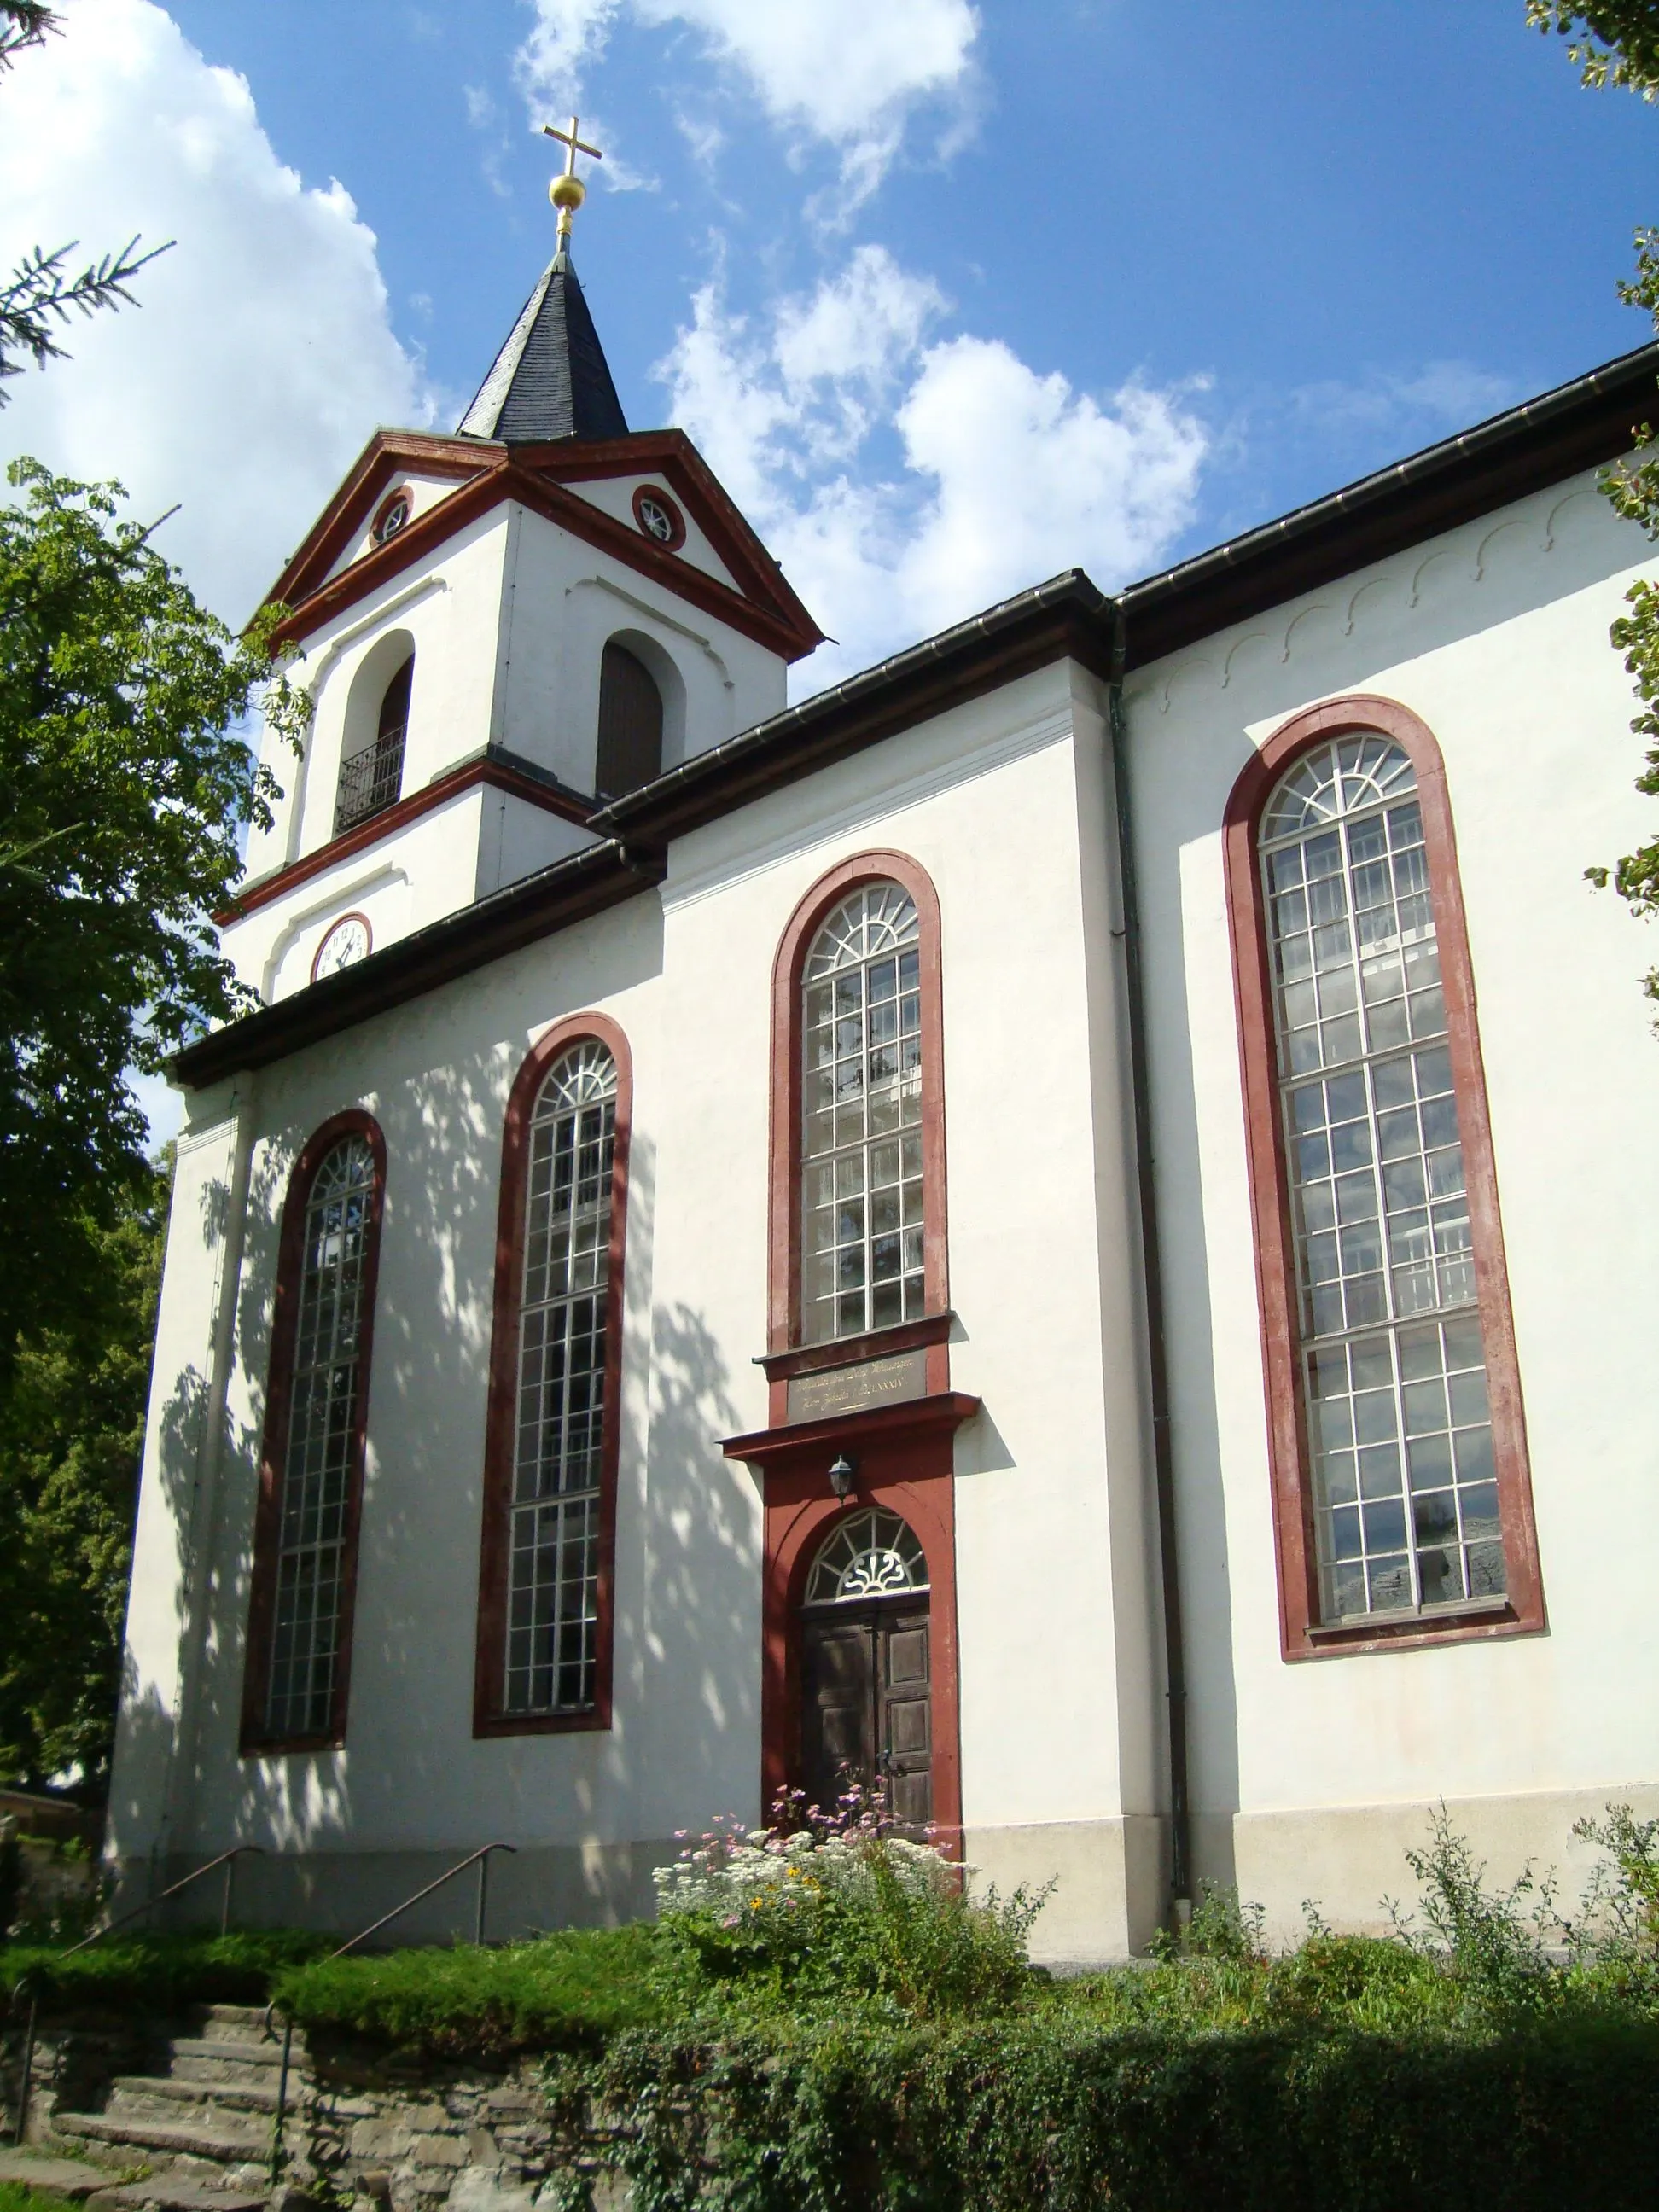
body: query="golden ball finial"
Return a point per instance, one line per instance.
(567, 192)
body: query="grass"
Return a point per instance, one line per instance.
(15, 2197)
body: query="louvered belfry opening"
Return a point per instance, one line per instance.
(372, 776)
(630, 724)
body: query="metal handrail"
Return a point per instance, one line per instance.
(226, 1859)
(479, 1858)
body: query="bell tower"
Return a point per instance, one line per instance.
(499, 630)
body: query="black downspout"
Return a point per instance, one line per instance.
(1162, 1455)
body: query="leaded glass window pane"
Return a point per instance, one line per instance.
(317, 1469)
(1393, 1366)
(872, 1554)
(552, 1628)
(861, 1202)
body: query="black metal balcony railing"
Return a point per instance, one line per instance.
(369, 782)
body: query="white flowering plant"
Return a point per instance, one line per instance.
(837, 1903)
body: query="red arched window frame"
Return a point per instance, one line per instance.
(255, 1737)
(489, 1716)
(784, 1319)
(1522, 1611)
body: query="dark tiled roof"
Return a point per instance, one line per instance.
(551, 379)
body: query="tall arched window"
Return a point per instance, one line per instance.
(861, 1182)
(857, 1189)
(372, 765)
(630, 724)
(545, 1612)
(1390, 1351)
(294, 1692)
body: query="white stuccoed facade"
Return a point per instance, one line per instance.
(1308, 1777)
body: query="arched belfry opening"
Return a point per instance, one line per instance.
(371, 756)
(630, 724)
(867, 1667)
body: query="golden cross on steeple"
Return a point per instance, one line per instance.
(567, 192)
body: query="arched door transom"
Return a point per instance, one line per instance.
(867, 1672)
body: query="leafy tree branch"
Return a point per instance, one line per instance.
(1614, 43)
(126, 786)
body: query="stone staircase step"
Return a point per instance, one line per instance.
(230, 2015)
(63, 2176)
(167, 2193)
(133, 2090)
(200, 2050)
(218, 2145)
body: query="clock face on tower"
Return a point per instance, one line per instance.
(349, 939)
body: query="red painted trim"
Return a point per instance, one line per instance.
(670, 507)
(854, 1351)
(766, 610)
(905, 1458)
(352, 915)
(439, 792)
(388, 454)
(501, 1427)
(273, 1453)
(1301, 1636)
(783, 1257)
(670, 454)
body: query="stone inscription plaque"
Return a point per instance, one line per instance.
(890, 1382)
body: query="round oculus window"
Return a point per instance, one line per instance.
(659, 517)
(347, 942)
(391, 517)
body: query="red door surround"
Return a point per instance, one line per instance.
(904, 1458)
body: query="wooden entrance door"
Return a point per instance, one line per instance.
(866, 1684)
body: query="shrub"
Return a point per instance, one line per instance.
(838, 1908)
(568, 1991)
(1049, 2111)
(157, 1973)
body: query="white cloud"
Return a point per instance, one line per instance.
(1002, 477)
(847, 73)
(1442, 394)
(261, 355)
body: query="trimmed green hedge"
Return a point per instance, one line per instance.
(1045, 2112)
(158, 1972)
(569, 1991)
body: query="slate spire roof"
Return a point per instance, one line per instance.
(551, 379)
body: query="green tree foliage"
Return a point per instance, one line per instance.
(71, 1426)
(125, 786)
(41, 295)
(1616, 43)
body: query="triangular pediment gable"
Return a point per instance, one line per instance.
(741, 585)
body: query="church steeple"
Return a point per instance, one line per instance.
(551, 378)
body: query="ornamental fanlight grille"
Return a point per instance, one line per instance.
(873, 1554)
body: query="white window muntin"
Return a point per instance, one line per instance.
(862, 1140)
(552, 1626)
(1392, 1370)
(317, 1466)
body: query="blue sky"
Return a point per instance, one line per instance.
(952, 295)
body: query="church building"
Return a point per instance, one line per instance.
(1036, 1228)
